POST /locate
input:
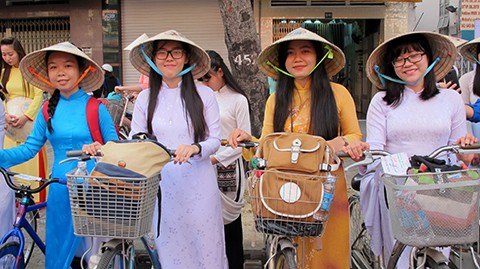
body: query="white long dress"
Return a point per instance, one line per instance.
(191, 226)
(7, 207)
(414, 127)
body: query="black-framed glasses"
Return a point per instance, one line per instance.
(414, 58)
(162, 54)
(205, 78)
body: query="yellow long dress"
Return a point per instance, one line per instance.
(15, 87)
(335, 251)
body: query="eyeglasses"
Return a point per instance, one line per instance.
(414, 58)
(205, 78)
(162, 54)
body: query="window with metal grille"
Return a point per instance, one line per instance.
(36, 33)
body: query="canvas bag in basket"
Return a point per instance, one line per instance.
(122, 162)
(308, 156)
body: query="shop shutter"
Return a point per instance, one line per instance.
(199, 20)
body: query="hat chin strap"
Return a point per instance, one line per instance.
(383, 77)
(474, 57)
(155, 68)
(328, 55)
(84, 74)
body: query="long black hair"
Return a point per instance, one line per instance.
(193, 104)
(217, 63)
(18, 48)
(53, 101)
(409, 43)
(476, 79)
(324, 119)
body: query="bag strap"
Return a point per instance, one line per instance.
(93, 120)
(327, 166)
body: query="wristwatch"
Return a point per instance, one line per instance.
(198, 146)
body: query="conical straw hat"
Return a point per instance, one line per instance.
(270, 53)
(197, 55)
(35, 63)
(441, 46)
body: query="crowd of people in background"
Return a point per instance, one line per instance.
(189, 100)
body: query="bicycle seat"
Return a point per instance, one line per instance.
(357, 179)
(355, 183)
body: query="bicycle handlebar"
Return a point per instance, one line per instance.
(243, 144)
(8, 179)
(79, 155)
(369, 154)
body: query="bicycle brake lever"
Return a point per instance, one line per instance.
(69, 160)
(366, 161)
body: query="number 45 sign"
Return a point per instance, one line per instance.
(244, 59)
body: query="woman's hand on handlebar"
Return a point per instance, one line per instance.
(355, 149)
(184, 152)
(92, 149)
(237, 136)
(463, 141)
(466, 140)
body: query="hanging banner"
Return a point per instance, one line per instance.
(470, 13)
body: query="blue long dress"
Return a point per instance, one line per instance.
(70, 133)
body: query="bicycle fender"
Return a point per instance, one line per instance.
(285, 243)
(111, 244)
(436, 255)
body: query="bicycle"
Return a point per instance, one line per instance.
(284, 204)
(118, 208)
(362, 256)
(118, 112)
(15, 248)
(423, 253)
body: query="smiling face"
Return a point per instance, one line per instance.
(63, 72)
(301, 58)
(414, 67)
(9, 55)
(170, 57)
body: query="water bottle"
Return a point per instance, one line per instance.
(328, 192)
(80, 172)
(80, 182)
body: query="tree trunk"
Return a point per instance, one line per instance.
(243, 47)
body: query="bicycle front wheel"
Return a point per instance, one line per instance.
(9, 254)
(112, 258)
(362, 255)
(286, 259)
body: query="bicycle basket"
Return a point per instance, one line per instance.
(284, 203)
(117, 201)
(434, 209)
(112, 206)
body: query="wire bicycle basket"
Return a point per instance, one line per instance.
(284, 203)
(118, 207)
(434, 209)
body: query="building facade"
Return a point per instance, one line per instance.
(104, 27)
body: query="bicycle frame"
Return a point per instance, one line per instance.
(24, 208)
(152, 251)
(21, 222)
